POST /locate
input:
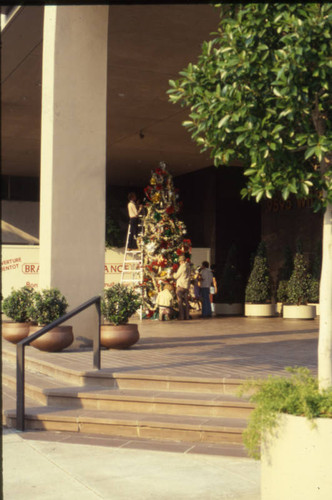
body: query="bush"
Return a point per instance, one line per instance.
(231, 288)
(47, 306)
(314, 291)
(299, 284)
(16, 305)
(284, 274)
(119, 303)
(258, 290)
(295, 395)
(282, 294)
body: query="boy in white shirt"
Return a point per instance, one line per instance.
(165, 302)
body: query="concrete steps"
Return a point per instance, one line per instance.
(147, 407)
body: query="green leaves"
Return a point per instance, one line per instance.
(16, 305)
(297, 394)
(255, 91)
(119, 303)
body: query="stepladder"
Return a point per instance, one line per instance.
(132, 273)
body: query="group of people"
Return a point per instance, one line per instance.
(183, 276)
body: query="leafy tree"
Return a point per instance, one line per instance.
(298, 288)
(261, 92)
(258, 289)
(285, 273)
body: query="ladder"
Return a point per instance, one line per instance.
(132, 268)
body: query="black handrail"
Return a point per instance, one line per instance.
(20, 375)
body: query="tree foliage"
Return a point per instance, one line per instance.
(258, 289)
(261, 92)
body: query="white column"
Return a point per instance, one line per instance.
(73, 155)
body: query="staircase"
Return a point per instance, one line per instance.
(145, 407)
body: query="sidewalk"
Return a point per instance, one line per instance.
(51, 469)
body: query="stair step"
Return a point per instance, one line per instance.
(47, 391)
(121, 380)
(150, 401)
(166, 427)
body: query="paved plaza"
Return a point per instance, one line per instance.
(59, 465)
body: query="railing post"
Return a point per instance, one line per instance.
(20, 388)
(96, 339)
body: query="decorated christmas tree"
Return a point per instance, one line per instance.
(163, 239)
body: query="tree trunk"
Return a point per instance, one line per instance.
(325, 324)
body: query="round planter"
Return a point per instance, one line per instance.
(14, 332)
(316, 304)
(260, 310)
(55, 340)
(119, 336)
(235, 309)
(296, 463)
(299, 312)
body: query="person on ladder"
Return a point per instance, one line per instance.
(133, 211)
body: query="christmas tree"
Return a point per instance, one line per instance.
(163, 239)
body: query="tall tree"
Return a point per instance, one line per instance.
(261, 92)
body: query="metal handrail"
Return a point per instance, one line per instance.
(20, 375)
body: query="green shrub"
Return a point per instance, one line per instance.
(47, 306)
(314, 291)
(295, 395)
(298, 289)
(16, 305)
(284, 274)
(231, 287)
(258, 290)
(119, 303)
(282, 295)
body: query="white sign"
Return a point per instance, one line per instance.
(20, 266)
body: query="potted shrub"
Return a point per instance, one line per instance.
(298, 291)
(118, 304)
(291, 429)
(16, 308)
(47, 306)
(231, 291)
(259, 288)
(283, 277)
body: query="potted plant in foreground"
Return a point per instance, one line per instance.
(231, 291)
(47, 306)
(291, 430)
(16, 308)
(259, 289)
(118, 304)
(298, 291)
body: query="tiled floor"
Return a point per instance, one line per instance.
(218, 347)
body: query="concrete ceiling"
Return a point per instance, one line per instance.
(148, 45)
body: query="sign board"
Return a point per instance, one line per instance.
(20, 266)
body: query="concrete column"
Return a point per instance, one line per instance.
(73, 155)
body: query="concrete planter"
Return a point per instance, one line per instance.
(317, 307)
(279, 307)
(299, 312)
(260, 310)
(296, 463)
(235, 309)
